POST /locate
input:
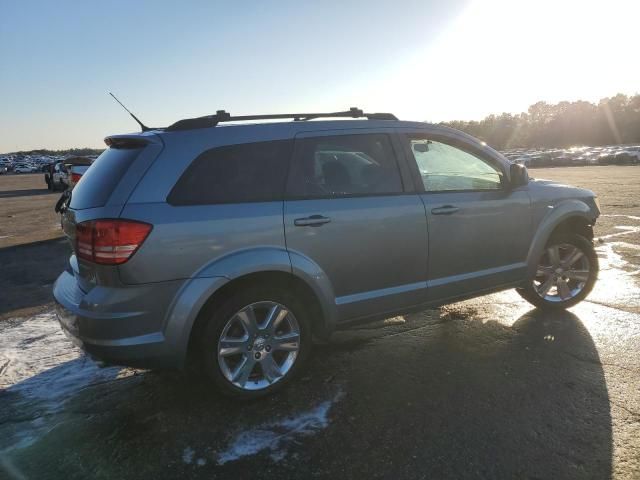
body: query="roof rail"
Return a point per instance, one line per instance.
(222, 116)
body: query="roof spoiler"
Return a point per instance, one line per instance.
(223, 116)
(130, 140)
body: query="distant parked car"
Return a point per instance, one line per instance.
(628, 156)
(22, 169)
(3, 169)
(56, 176)
(522, 160)
(623, 158)
(76, 167)
(76, 174)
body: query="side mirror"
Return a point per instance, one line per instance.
(519, 175)
(421, 147)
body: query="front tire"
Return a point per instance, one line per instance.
(255, 342)
(566, 272)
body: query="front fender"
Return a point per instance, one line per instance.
(555, 216)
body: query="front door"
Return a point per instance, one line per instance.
(479, 228)
(348, 212)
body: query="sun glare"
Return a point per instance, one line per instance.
(505, 55)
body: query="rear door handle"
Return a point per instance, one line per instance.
(312, 221)
(444, 210)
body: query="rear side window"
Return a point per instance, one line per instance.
(252, 172)
(344, 165)
(100, 180)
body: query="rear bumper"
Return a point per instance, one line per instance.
(122, 326)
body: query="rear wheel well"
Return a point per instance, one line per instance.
(274, 278)
(577, 225)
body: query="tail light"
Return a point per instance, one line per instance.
(75, 177)
(110, 242)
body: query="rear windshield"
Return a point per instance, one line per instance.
(100, 180)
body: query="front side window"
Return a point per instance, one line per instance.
(345, 165)
(252, 172)
(447, 168)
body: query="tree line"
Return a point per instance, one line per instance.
(613, 120)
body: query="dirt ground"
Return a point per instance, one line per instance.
(32, 250)
(488, 388)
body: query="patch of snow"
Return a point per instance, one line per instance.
(39, 362)
(40, 369)
(616, 282)
(399, 320)
(187, 455)
(275, 437)
(631, 217)
(626, 230)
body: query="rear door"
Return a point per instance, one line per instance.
(351, 211)
(479, 228)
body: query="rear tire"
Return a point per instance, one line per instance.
(250, 360)
(566, 273)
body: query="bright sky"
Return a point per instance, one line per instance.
(420, 59)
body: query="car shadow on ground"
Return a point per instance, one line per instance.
(25, 193)
(28, 272)
(464, 398)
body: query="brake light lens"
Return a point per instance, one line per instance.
(110, 242)
(75, 177)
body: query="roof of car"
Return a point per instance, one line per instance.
(221, 116)
(269, 127)
(278, 128)
(262, 131)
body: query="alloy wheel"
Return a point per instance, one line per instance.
(259, 345)
(562, 273)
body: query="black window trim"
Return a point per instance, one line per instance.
(397, 154)
(406, 137)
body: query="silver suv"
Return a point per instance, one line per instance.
(235, 244)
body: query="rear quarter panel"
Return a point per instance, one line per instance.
(187, 241)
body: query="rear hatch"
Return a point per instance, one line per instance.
(99, 239)
(104, 175)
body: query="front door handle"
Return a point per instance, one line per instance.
(444, 210)
(312, 221)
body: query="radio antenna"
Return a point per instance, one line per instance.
(142, 125)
